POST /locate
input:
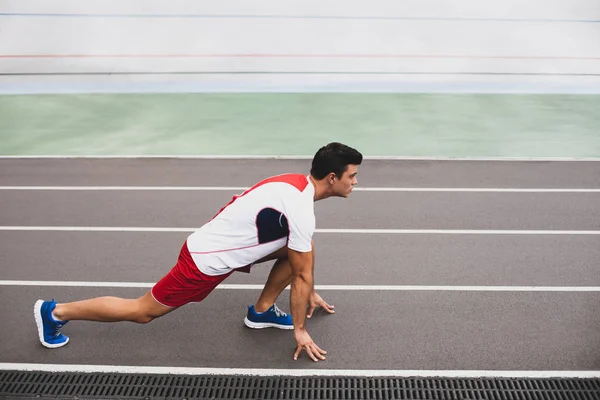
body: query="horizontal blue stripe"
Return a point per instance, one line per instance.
(338, 17)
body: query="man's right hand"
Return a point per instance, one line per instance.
(305, 342)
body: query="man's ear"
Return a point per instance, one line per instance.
(331, 178)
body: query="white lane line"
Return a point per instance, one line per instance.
(130, 188)
(396, 288)
(461, 231)
(342, 231)
(297, 157)
(295, 372)
(94, 229)
(357, 189)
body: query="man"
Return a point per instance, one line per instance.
(273, 220)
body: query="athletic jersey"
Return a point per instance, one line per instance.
(275, 212)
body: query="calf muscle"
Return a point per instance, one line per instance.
(112, 309)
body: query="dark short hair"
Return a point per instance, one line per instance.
(334, 157)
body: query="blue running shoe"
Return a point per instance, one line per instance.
(272, 318)
(49, 330)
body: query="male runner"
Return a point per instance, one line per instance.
(273, 220)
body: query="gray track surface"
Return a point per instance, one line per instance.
(371, 329)
(373, 173)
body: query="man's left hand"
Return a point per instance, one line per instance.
(317, 301)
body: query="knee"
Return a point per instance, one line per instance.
(144, 318)
(144, 314)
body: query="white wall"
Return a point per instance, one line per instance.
(432, 37)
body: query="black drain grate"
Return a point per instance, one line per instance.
(21, 384)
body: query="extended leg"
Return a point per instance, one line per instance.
(112, 309)
(51, 317)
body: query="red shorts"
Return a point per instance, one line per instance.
(185, 283)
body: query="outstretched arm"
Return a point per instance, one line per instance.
(301, 290)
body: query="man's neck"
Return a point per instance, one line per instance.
(321, 188)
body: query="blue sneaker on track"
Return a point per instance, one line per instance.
(272, 318)
(49, 330)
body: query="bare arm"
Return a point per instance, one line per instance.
(301, 286)
(301, 289)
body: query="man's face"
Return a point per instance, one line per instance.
(342, 187)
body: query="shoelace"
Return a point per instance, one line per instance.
(57, 329)
(278, 312)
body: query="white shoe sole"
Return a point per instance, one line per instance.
(37, 313)
(262, 325)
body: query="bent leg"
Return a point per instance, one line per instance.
(279, 278)
(112, 309)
